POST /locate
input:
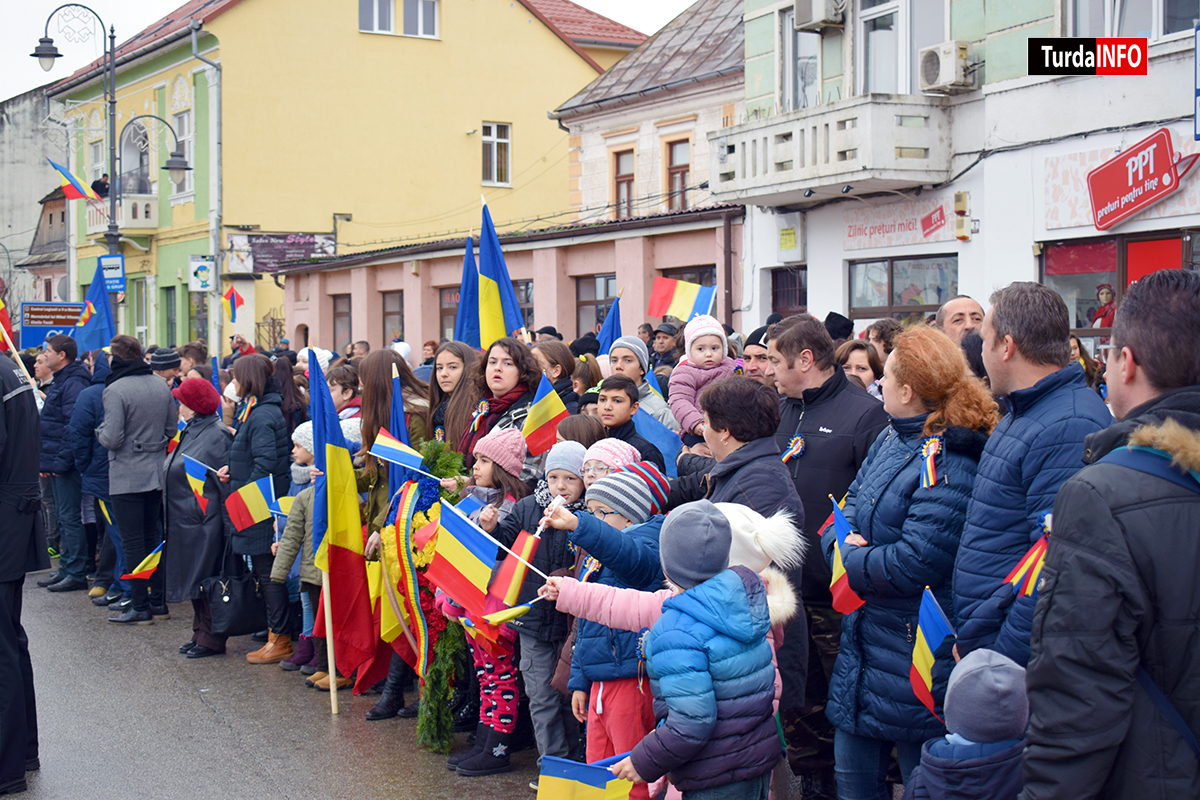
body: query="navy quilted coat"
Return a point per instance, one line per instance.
(629, 560)
(1033, 451)
(714, 685)
(57, 454)
(913, 535)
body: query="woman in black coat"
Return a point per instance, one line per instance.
(195, 537)
(260, 448)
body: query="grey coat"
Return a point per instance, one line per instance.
(139, 417)
(656, 407)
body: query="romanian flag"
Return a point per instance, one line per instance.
(252, 503)
(389, 448)
(932, 629)
(666, 440)
(1025, 574)
(469, 505)
(95, 327)
(652, 380)
(463, 558)
(73, 187)
(232, 302)
(563, 779)
(173, 442)
(499, 312)
(466, 322)
(507, 584)
(399, 423)
(845, 601)
(400, 524)
(680, 299)
(610, 331)
(541, 425)
(197, 474)
(6, 323)
(86, 314)
(147, 566)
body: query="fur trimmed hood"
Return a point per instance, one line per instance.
(1183, 444)
(781, 597)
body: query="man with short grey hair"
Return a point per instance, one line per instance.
(1035, 448)
(959, 316)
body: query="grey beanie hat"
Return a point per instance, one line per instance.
(625, 493)
(985, 699)
(694, 543)
(568, 456)
(164, 358)
(637, 346)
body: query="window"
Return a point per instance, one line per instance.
(420, 18)
(623, 176)
(679, 160)
(168, 301)
(197, 316)
(496, 157)
(393, 316)
(593, 296)
(341, 322)
(96, 163)
(887, 65)
(139, 310)
(448, 302)
(789, 290)
(1151, 19)
(182, 123)
(905, 288)
(375, 16)
(524, 290)
(799, 65)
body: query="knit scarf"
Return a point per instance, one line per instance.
(496, 408)
(124, 369)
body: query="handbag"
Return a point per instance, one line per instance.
(235, 603)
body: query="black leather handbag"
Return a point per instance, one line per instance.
(235, 603)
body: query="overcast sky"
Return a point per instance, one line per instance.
(24, 22)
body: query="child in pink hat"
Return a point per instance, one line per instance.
(706, 361)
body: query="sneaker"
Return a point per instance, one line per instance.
(53, 551)
(533, 784)
(133, 617)
(124, 604)
(160, 612)
(107, 599)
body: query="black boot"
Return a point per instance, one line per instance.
(392, 698)
(492, 760)
(466, 703)
(481, 734)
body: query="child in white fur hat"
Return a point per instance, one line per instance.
(706, 360)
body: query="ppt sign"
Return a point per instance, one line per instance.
(1136, 178)
(1105, 56)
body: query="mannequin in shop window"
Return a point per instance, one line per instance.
(1102, 317)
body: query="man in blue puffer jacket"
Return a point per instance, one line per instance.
(710, 668)
(1033, 451)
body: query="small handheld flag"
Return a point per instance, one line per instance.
(680, 299)
(929, 451)
(73, 187)
(391, 449)
(197, 474)
(6, 322)
(146, 567)
(463, 558)
(173, 442)
(541, 424)
(252, 503)
(506, 586)
(845, 600)
(232, 301)
(564, 779)
(932, 629)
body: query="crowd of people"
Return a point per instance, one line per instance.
(689, 621)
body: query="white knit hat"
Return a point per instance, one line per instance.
(703, 325)
(303, 435)
(758, 541)
(323, 356)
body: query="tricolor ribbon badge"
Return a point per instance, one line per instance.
(929, 451)
(795, 448)
(480, 413)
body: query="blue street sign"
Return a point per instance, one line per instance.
(113, 268)
(39, 321)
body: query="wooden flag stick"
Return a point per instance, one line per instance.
(16, 356)
(391, 594)
(620, 292)
(333, 700)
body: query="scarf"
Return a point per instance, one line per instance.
(124, 369)
(496, 408)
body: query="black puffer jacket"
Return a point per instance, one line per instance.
(1119, 589)
(57, 455)
(260, 448)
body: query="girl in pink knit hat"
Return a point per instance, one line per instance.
(606, 456)
(706, 360)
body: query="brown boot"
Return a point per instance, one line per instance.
(323, 683)
(277, 648)
(312, 680)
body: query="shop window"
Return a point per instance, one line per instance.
(393, 316)
(679, 163)
(789, 290)
(140, 311)
(905, 288)
(448, 310)
(593, 296)
(341, 323)
(623, 165)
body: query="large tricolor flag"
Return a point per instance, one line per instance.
(146, 567)
(73, 187)
(610, 331)
(252, 503)
(932, 629)
(6, 323)
(463, 558)
(95, 328)
(680, 299)
(466, 321)
(564, 779)
(499, 312)
(232, 301)
(197, 474)
(845, 600)
(541, 425)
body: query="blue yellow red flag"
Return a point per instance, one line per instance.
(499, 312)
(669, 297)
(173, 442)
(610, 331)
(197, 474)
(95, 328)
(462, 560)
(564, 779)
(73, 187)
(335, 496)
(251, 503)
(652, 380)
(541, 424)
(391, 449)
(932, 629)
(232, 301)
(466, 320)
(146, 566)
(845, 600)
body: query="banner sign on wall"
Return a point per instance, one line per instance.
(265, 252)
(916, 221)
(1136, 178)
(200, 273)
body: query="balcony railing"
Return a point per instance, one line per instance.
(869, 143)
(134, 212)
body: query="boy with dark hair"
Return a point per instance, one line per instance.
(617, 404)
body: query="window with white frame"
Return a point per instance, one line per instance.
(800, 65)
(376, 16)
(891, 32)
(96, 161)
(182, 123)
(421, 18)
(497, 157)
(1150, 19)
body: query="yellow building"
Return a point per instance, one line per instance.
(363, 124)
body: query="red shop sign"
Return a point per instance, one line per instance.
(1136, 178)
(933, 221)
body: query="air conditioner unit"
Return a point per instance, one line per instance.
(812, 15)
(943, 68)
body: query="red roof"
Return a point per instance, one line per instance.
(578, 23)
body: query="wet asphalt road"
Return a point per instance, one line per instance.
(122, 713)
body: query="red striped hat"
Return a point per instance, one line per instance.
(659, 486)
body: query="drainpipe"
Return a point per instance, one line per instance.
(727, 272)
(215, 325)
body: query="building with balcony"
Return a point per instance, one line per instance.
(895, 153)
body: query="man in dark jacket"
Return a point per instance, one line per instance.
(1035, 448)
(664, 347)
(58, 462)
(1116, 623)
(22, 549)
(827, 425)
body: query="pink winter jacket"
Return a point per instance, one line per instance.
(687, 381)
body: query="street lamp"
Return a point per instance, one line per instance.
(176, 165)
(45, 53)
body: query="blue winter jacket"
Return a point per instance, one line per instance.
(57, 455)
(710, 669)
(629, 560)
(91, 457)
(972, 771)
(1033, 451)
(913, 534)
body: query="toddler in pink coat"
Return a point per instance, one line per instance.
(706, 360)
